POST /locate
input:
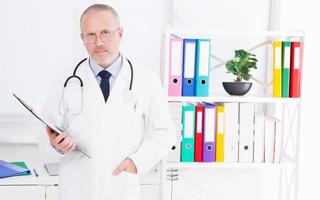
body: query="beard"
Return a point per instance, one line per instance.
(104, 58)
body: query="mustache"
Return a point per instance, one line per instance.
(100, 49)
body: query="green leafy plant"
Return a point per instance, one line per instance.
(241, 64)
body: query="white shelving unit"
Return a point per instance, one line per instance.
(235, 99)
(290, 116)
(230, 165)
(214, 32)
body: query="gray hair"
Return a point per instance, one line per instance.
(102, 7)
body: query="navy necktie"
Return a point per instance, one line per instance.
(105, 85)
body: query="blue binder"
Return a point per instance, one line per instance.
(202, 67)
(9, 169)
(188, 65)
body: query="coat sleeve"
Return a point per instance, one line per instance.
(50, 113)
(161, 131)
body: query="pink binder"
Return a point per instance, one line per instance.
(175, 66)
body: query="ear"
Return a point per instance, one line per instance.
(81, 35)
(120, 33)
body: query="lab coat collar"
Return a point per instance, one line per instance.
(121, 84)
(113, 69)
(125, 71)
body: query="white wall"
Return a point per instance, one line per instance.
(227, 15)
(298, 14)
(36, 43)
(40, 39)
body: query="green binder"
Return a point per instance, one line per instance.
(188, 132)
(286, 59)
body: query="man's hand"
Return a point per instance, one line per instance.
(62, 141)
(126, 165)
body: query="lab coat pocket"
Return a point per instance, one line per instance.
(129, 186)
(131, 121)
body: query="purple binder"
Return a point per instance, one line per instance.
(209, 133)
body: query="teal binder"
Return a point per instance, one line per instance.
(188, 132)
(203, 52)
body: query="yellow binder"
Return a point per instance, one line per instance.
(220, 134)
(277, 80)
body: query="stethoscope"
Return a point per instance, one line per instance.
(66, 115)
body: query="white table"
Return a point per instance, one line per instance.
(28, 187)
(45, 187)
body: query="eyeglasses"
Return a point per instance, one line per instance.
(105, 36)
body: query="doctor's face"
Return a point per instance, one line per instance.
(101, 35)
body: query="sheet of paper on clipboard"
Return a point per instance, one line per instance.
(40, 118)
(37, 115)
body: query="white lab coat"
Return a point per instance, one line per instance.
(139, 128)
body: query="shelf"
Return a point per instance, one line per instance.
(234, 99)
(213, 32)
(230, 165)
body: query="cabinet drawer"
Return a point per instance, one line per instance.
(22, 192)
(149, 192)
(51, 192)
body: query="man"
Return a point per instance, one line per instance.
(125, 129)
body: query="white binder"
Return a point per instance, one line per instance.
(258, 152)
(278, 141)
(246, 126)
(231, 117)
(245, 149)
(231, 134)
(269, 140)
(246, 119)
(175, 109)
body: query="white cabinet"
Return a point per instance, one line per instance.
(45, 187)
(148, 192)
(27, 187)
(22, 192)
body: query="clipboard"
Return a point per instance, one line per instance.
(37, 115)
(40, 118)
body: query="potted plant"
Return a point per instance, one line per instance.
(240, 66)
